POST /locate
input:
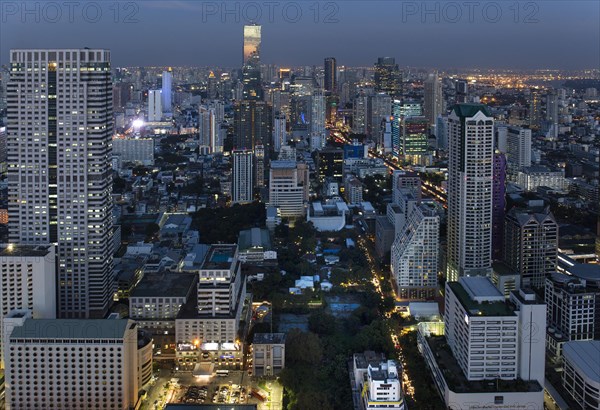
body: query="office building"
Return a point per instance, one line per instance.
(166, 91)
(581, 377)
(268, 354)
(288, 188)
(573, 310)
(28, 281)
(461, 87)
(252, 124)
(64, 195)
(318, 133)
(470, 177)
(155, 110)
(75, 364)
(530, 244)
(498, 204)
(434, 99)
(134, 150)
(242, 186)
(330, 78)
(415, 141)
(441, 132)
(388, 78)
(211, 86)
(330, 163)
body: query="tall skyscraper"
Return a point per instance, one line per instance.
(470, 172)
(59, 169)
(535, 109)
(379, 110)
(252, 123)
(252, 39)
(242, 186)
(434, 98)
(552, 102)
(330, 69)
(211, 86)
(208, 130)
(259, 166)
(167, 91)
(388, 78)
(155, 111)
(498, 205)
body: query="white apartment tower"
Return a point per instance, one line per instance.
(242, 186)
(207, 129)
(59, 169)
(470, 177)
(155, 108)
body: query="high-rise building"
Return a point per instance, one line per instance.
(167, 92)
(498, 205)
(379, 110)
(360, 114)
(434, 99)
(134, 150)
(288, 188)
(211, 86)
(415, 141)
(518, 148)
(318, 133)
(252, 124)
(75, 364)
(462, 91)
(252, 40)
(552, 103)
(415, 250)
(59, 169)
(441, 132)
(259, 162)
(155, 110)
(573, 310)
(330, 163)
(470, 176)
(279, 131)
(474, 308)
(330, 70)
(535, 109)
(530, 244)
(242, 186)
(388, 78)
(207, 129)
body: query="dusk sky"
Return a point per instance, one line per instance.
(547, 34)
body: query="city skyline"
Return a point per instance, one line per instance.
(509, 38)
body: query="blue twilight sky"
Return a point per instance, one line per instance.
(443, 34)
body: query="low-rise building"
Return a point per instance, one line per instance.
(268, 354)
(379, 382)
(254, 245)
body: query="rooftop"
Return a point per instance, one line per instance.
(165, 285)
(585, 357)
(469, 110)
(269, 338)
(220, 257)
(499, 308)
(25, 250)
(283, 164)
(458, 383)
(72, 329)
(210, 406)
(254, 238)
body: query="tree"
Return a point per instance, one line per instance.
(321, 323)
(312, 400)
(303, 348)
